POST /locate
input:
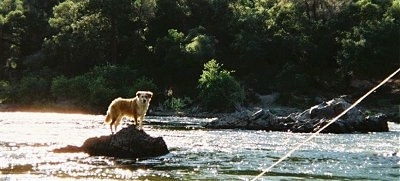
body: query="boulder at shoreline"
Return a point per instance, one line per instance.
(307, 121)
(127, 143)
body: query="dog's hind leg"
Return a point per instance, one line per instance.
(116, 123)
(111, 124)
(110, 120)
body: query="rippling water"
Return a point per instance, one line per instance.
(26, 141)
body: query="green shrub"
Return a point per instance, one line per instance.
(219, 91)
(100, 94)
(177, 104)
(96, 89)
(120, 78)
(86, 90)
(30, 89)
(60, 87)
(75, 89)
(5, 91)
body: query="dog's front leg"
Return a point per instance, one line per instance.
(135, 120)
(140, 127)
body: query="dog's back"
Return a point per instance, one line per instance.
(121, 107)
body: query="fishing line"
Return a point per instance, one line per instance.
(329, 123)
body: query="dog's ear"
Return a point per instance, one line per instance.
(149, 94)
(138, 93)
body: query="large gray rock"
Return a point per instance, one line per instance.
(127, 143)
(309, 120)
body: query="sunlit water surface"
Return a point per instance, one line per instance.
(196, 153)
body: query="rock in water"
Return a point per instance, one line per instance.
(309, 120)
(127, 143)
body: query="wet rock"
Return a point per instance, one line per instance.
(310, 120)
(375, 123)
(127, 143)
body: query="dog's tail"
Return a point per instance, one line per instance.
(108, 119)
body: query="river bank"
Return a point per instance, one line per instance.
(389, 105)
(385, 100)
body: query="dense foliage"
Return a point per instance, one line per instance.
(90, 51)
(218, 89)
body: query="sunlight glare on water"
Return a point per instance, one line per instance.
(48, 127)
(196, 153)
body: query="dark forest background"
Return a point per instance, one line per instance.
(87, 52)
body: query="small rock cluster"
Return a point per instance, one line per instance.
(307, 121)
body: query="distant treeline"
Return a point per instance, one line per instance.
(92, 50)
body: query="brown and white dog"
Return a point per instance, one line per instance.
(135, 108)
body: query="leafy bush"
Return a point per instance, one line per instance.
(97, 88)
(30, 89)
(177, 104)
(121, 78)
(60, 87)
(5, 91)
(218, 89)
(100, 94)
(90, 90)
(74, 89)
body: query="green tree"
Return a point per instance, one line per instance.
(180, 57)
(219, 90)
(168, 15)
(200, 46)
(128, 20)
(23, 25)
(94, 32)
(368, 47)
(169, 53)
(12, 30)
(78, 36)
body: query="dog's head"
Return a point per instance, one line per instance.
(144, 96)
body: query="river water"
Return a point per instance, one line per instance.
(196, 153)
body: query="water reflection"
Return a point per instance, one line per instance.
(26, 141)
